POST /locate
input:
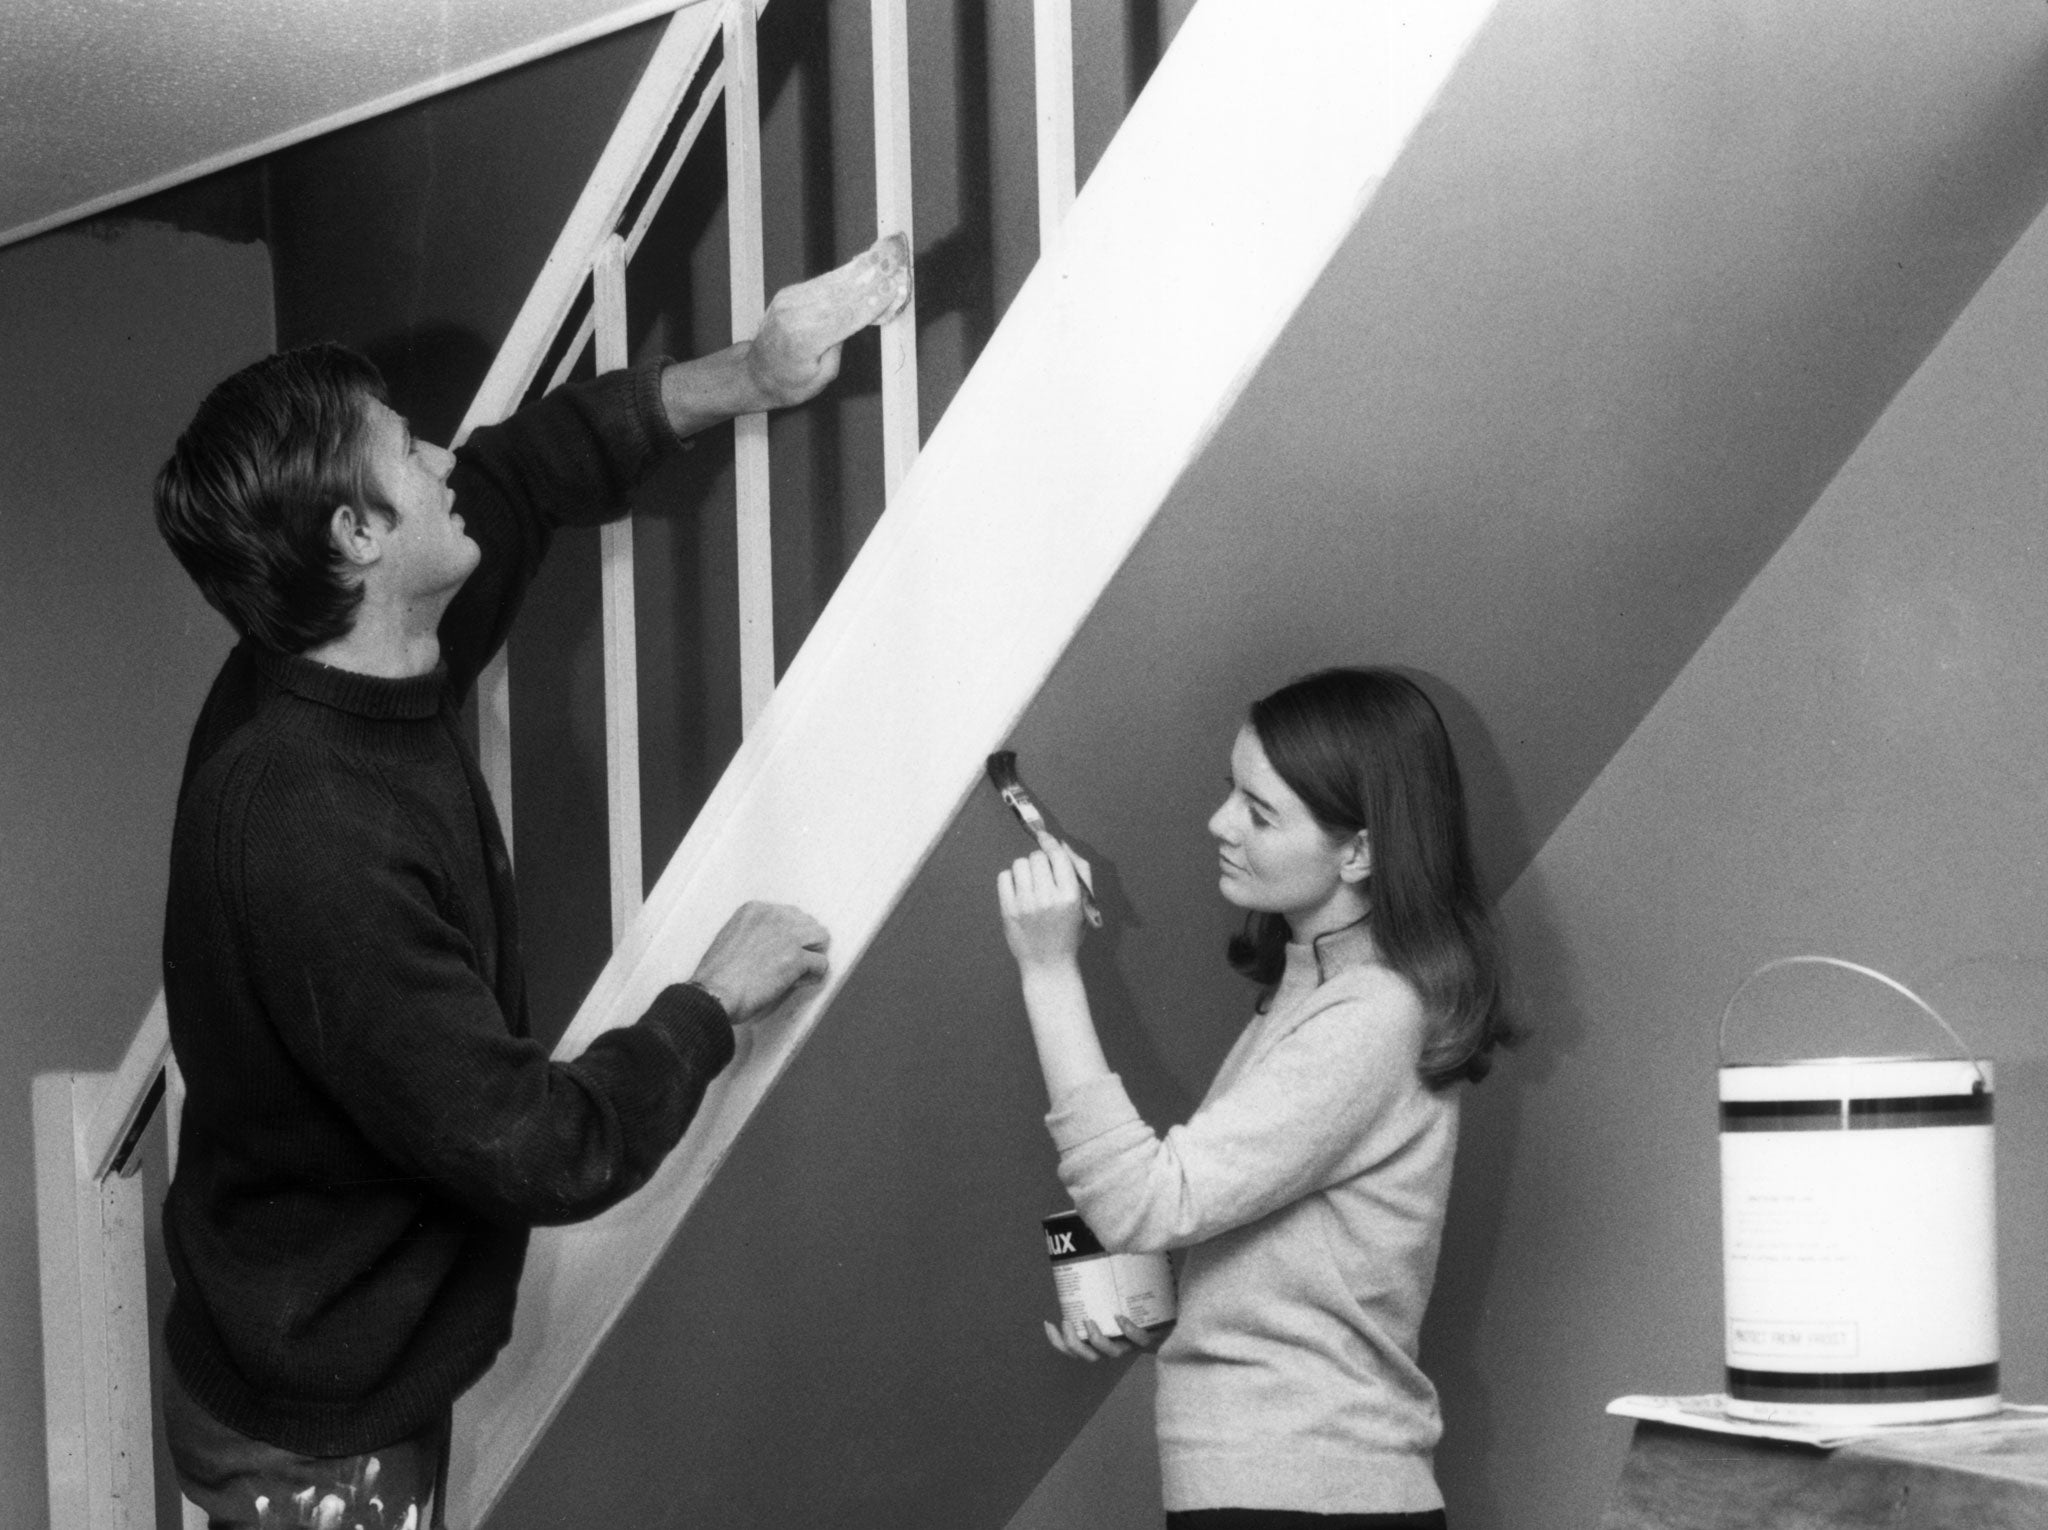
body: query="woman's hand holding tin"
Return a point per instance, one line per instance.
(1084, 1341)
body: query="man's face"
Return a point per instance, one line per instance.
(427, 553)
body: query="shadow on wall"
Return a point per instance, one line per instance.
(1499, 824)
(1492, 1113)
(1547, 1010)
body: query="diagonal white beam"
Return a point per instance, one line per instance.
(1196, 238)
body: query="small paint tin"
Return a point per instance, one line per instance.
(1096, 1284)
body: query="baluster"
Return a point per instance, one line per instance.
(621, 659)
(749, 298)
(1053, 48)
(900, 435)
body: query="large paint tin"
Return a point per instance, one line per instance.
(1859, 1238)
(1097, 1285)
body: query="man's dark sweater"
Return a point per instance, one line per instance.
(369, 1128)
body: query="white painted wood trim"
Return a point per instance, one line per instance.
(1052, 35)
(621, 652)
(626, 156)
(901, 431)
(713, 92)
(66, 1383)
(122, 1103)
(749, 298)
(1194, 241)
(663, 84)
(707, 101)
(97, 1403)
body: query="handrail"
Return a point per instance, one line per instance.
(129, 1102)
(664, 85)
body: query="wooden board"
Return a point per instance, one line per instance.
(1959, 1477)
(96, 1389)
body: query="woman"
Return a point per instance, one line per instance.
(1309, 1187)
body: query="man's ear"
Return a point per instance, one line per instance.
(357, 535)
(1356, 864)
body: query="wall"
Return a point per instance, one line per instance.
(1853, 764)
(112, 336)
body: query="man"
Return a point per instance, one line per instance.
(369, 1129)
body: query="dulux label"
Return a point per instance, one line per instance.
(1099, 1286)
(1068, 1237)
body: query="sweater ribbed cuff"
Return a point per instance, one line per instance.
(696, 1026)
(648, 409)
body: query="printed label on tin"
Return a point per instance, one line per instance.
(1136, 1286)
(1831, 1341)
(1098, 1286)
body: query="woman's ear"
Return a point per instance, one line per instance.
(1356, 864)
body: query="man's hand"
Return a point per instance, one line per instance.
(796, 351)
(764, 951)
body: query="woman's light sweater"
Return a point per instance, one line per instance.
(1309, 1191)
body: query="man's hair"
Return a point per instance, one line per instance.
(250, 490)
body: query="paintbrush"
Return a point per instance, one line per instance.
(1002, 775)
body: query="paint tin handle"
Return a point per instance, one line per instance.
(1962, 1052)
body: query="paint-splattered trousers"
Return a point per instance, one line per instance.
(245, 1484)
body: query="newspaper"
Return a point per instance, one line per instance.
(1710, 1412)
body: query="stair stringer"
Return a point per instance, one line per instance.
(1250, 155)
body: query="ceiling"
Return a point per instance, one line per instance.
(103, 101)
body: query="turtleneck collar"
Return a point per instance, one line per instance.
(409, 700)
(1313, 963)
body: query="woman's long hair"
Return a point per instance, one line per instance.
(1366, 749)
